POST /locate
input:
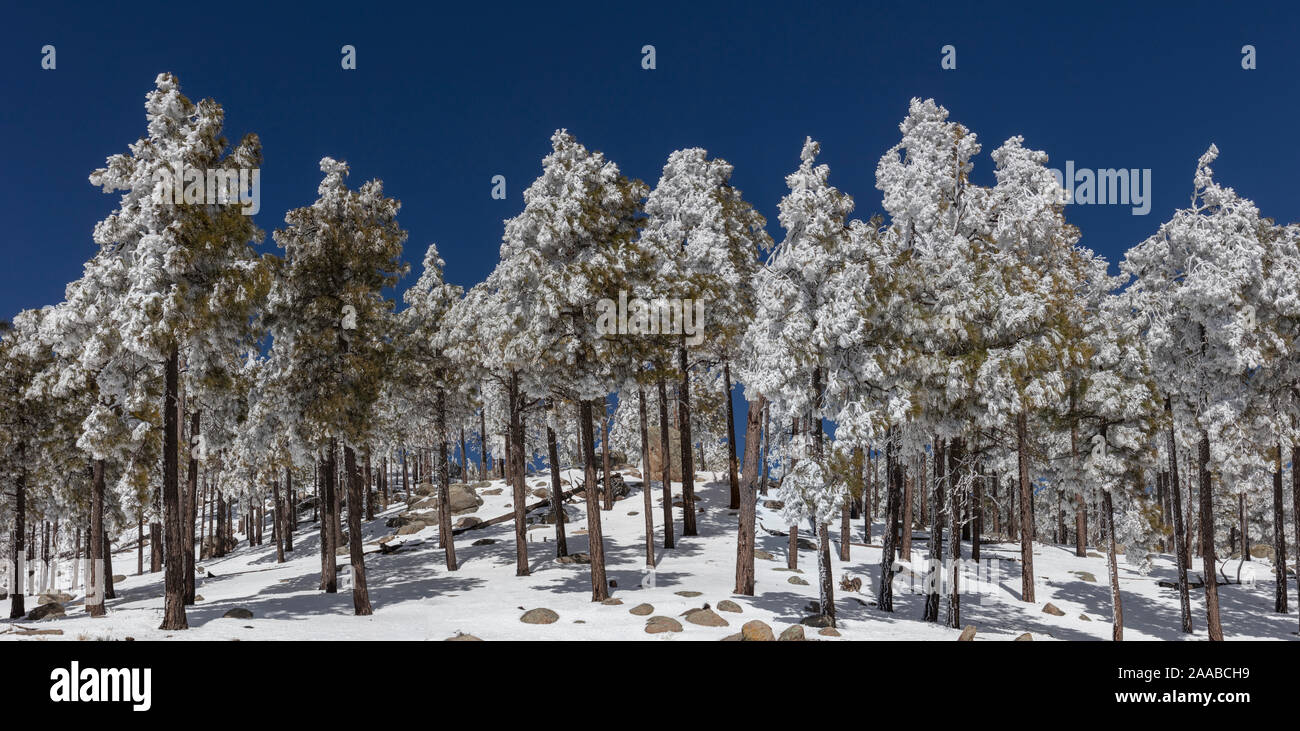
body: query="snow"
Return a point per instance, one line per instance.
(416, 598)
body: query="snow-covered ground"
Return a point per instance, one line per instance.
(416, 598)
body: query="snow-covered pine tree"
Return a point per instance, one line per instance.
(328, 312)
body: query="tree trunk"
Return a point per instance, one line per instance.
(977, 513)
(906, 535)
(278, 515)
(731, 439)
(17, 588)
(684, 427)
(291, 512)
(515, 452)
(1279, 535)
(885, 595)
(792, 546)
(1026, 511)
(329, 534)
(174, 567)
(482, 445)
(1180, 536)
(604, 452)
(1116, 604)
(645, 481)
(1295, 511)
(360, 596)
(191, 506)
(1208, 563)
(444, 484)
(557, 504)
(666, 464)
(595, 541)
(934, 574)
(745, 535)
(954, 531)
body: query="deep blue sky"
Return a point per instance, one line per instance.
(446, 97)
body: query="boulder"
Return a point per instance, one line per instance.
(119, 578)
(793, 633)
(1085, 617)
(757, 630)
(1086, 576)
(484, 542)
(238, 613)
(765, 555)
(612, 602)
(466, 522)
(47, 611)
(574, 558)
(462, 637)
(1052, 609)
(689, 594)
(541, 615)
(726, 605)
(658, 625)
(57, 597)
(817, 620)
(1026, 637)
(642, 610)
(410, 528)
(706, 618)
(967, 633)
(1262, 550)
(828, 632)
(797, 581)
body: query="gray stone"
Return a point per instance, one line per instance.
(541, 615)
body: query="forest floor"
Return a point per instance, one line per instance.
(416, 598)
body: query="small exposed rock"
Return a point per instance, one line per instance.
(642, 610)
(765, 555)
(816, 620)
(793, 633)
(688, 593)
(756, 630)
(657, 625)
(828, 632)
(484, 542)
(1086, 576)
(1085, 617)
(47, 611)
(613, 602)
(967, 633)
(1052, 609)
(726, 605)
(238, 613)
(541, 615)
(797, 580)
(1026, 637)
(462, 637)
(706, 617)
(574, 558)
(773, 504)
